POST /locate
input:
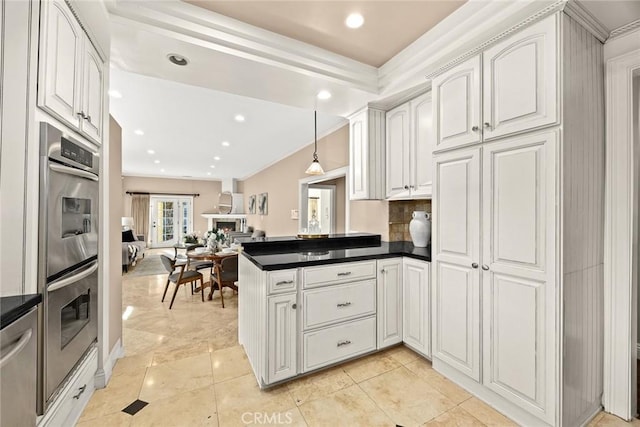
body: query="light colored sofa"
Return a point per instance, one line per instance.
(132, 252)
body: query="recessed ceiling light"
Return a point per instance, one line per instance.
(355, 20)
(138, 132)
(239, 118)
(225, 143)
(212, 166)
(161, 170)
(176, 59)
(324, 94)
(216, 158)
(151, 152)
(115, 94)
(156, 161)
(208, 173)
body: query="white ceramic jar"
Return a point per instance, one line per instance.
(420, 229)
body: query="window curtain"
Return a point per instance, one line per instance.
(140, 214)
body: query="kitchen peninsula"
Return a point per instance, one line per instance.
(320, 302)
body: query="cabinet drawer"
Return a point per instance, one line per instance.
(337, 273)
(334, 304)
(331, 345)
(282, 281)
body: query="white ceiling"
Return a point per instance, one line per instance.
(186, 112)
(185, 125)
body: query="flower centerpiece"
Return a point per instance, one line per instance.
(215, 238)
(191, 237)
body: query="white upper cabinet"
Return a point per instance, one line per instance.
(366, 155)
(422, 145)
(60, 63)
(409, 148)
(456, 105)
(92, 93)
(520, 81)
(518, 87)
(398, 146)
(71, 72)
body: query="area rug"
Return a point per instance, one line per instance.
(148, 266)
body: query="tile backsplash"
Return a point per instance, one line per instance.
(400, 215)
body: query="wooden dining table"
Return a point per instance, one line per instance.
(217, 258)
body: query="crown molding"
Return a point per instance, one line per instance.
(578, 12)
(625, 29)
(400, 98)
(217, 32)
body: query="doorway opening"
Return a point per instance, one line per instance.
(323, 203)
(170, 219)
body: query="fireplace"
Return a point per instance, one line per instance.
(230, 222)
(227, 225)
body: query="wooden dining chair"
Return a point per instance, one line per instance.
(225, 274)
(179, 277)
(197, 265)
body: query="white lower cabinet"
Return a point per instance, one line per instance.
(389, 302)
(282, 333)
(416, 313)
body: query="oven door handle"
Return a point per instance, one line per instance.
(17, 348)
(72, 171)
(73, 279)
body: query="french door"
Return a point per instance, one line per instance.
(171, 219)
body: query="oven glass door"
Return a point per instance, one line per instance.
(71, 322)
(72, 219)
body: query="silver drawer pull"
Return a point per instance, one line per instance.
(345, 342)
(344, 304)
(284, 282)
(82, 389)
(346, 273)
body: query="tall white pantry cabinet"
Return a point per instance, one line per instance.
(519, 222)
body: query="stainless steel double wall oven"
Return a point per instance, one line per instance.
(68, 256)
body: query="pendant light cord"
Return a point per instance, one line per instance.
(315, 135)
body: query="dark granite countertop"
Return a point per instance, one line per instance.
(294, 243)
(14, 307)
(269, 259)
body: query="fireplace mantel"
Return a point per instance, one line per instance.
(240, 219)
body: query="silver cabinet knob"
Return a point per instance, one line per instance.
(475, 128)
(485, 267)
(474, 265)
(383, 271)
(406, 187)
(294, 306)
(487, 125)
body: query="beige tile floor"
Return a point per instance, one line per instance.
(186, 362)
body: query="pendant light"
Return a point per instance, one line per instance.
(315, 168)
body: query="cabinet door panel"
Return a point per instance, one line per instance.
(422, 146)
(520, 81)
(93, 83)
(398, 151)
(359, 154)
(519, 188)
(456, 248)
(416, 312)
(282, 340)
(456, 311)
(60, 73)
(389, 302)
(456, 207)
(456, 108)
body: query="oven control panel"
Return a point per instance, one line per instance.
(78, 154)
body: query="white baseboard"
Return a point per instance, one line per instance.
(104, 375)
